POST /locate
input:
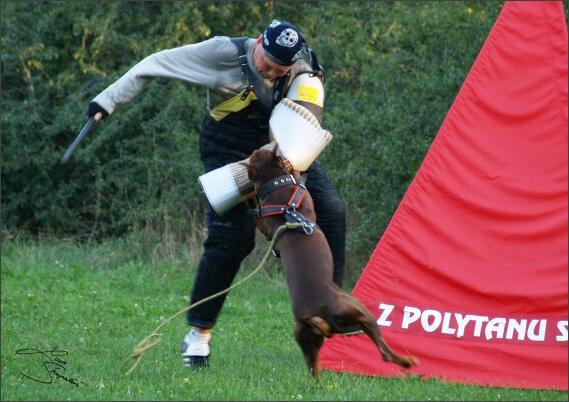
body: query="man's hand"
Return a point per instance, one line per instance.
(96, 111)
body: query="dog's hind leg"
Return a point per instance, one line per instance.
(310, 344)
(372, 330)
(357, 315)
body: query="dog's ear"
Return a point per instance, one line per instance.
(251, 170)
(277, 161)
(276, 152)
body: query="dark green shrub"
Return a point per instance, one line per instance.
(393, 70)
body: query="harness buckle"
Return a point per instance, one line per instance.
(308, 228)
(248, 90)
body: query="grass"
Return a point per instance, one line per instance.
(98, 301)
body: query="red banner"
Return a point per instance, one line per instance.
(471, 274)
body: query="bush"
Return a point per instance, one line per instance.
(390, 82)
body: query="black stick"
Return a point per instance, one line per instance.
(77, 141)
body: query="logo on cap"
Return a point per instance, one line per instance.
(288, 38)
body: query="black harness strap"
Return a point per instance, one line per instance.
(273, 185)
(278, 92)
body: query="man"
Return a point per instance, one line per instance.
(246, 78)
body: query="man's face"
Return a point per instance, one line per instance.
(265, 66)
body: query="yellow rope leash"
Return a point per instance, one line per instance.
(154, 338)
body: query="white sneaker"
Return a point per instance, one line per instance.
(195, 349)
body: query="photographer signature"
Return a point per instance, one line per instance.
(53, 363)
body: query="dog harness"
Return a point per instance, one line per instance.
(289, 209)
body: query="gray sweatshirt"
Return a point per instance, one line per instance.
(213, 63)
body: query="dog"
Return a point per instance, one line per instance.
(321, 308)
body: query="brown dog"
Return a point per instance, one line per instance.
(321, 308)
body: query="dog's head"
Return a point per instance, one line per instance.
(264, 165)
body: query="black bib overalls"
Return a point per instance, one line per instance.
(231, 132)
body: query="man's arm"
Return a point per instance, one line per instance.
(195, 63)
(307, 90)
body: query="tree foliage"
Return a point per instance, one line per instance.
(393, 70)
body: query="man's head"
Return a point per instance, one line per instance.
(279, 47)
(283, 42)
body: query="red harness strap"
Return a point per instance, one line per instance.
(293, 203)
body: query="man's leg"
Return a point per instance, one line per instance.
(231, 237)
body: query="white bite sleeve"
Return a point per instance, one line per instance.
(298, 134)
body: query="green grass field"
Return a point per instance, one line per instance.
(96, 302)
